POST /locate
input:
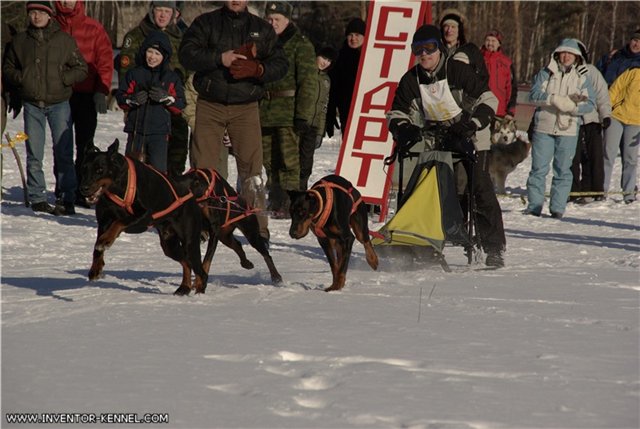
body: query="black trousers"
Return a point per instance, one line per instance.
(488, 214)
(85, 121)
(588, 162)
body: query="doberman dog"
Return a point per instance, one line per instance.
(223, 211)
(332, 208)
(131, 196)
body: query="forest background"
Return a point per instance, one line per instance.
(532, 29)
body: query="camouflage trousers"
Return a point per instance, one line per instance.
(281, 158)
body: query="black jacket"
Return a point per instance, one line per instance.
(216, 32)
(468, 89)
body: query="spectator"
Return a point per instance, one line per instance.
(229, 86)
(287, 109)
(343, 76)
(311, 139)
(151, 93)
(502, 75)
(624, 132)
(89, 97)
(453, 27)
(588, 162)
(189, 115)
(44, 62)
(622, 59)
(414, 117)
(9, 94)
(161, 17)
(562, 93)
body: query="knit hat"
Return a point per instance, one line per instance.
(356, 25)
(44, 6)
(636, 34)
(328, 52)
(494, 33)
(456, 16)
(169, 4)
(157, 40)
(427, 33)
(282, 7)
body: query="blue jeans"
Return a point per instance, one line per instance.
(627, 139)
(544, 149)
(59, 118)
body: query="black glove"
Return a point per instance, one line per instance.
(300, 125)
(14, 103)
(407, 134)
(332, 124)
(100, 101)
(463, 128)
(606, 122)
(160, 95)
(139, 98)
(457, 144)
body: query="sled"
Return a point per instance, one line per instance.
(20, 137)
(429, 212)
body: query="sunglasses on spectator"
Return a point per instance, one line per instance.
(428, 46)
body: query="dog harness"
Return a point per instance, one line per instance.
(126, 202)
(326, 204)
(229, 200)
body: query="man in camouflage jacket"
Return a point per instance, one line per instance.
(287, 109)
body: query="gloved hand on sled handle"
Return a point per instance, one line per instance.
(457, 143)
(241, 69)
(100, 101)
(563, 103)
(464, 128)
(160, 95)
(606, 122)
(407, 134)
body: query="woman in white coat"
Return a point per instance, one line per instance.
(563, 94)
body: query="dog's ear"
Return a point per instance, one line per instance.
(90, 148)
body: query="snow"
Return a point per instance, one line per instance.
(550, 341)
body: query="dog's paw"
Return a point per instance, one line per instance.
(246, 264)
(182, 291)
(95, 275)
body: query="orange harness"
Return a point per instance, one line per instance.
(326, 204)
(227, 199)
(126, 202)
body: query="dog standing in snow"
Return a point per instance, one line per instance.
(508, 149)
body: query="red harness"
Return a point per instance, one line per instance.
(326, 204)
(126, 202)
(228, 200)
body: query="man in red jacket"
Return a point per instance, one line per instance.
(89, 96)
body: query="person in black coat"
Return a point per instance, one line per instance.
(343, 76)
(429, 104)
(150, 93)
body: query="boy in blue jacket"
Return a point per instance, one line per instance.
(150, 93)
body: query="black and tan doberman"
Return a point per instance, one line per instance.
(131, 197)
(331, 209)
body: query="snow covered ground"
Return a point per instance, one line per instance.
(550, 341)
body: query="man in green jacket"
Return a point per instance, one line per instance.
(44, 62)
(287, 109)
(161, 17)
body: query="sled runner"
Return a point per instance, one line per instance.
(11, 143)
